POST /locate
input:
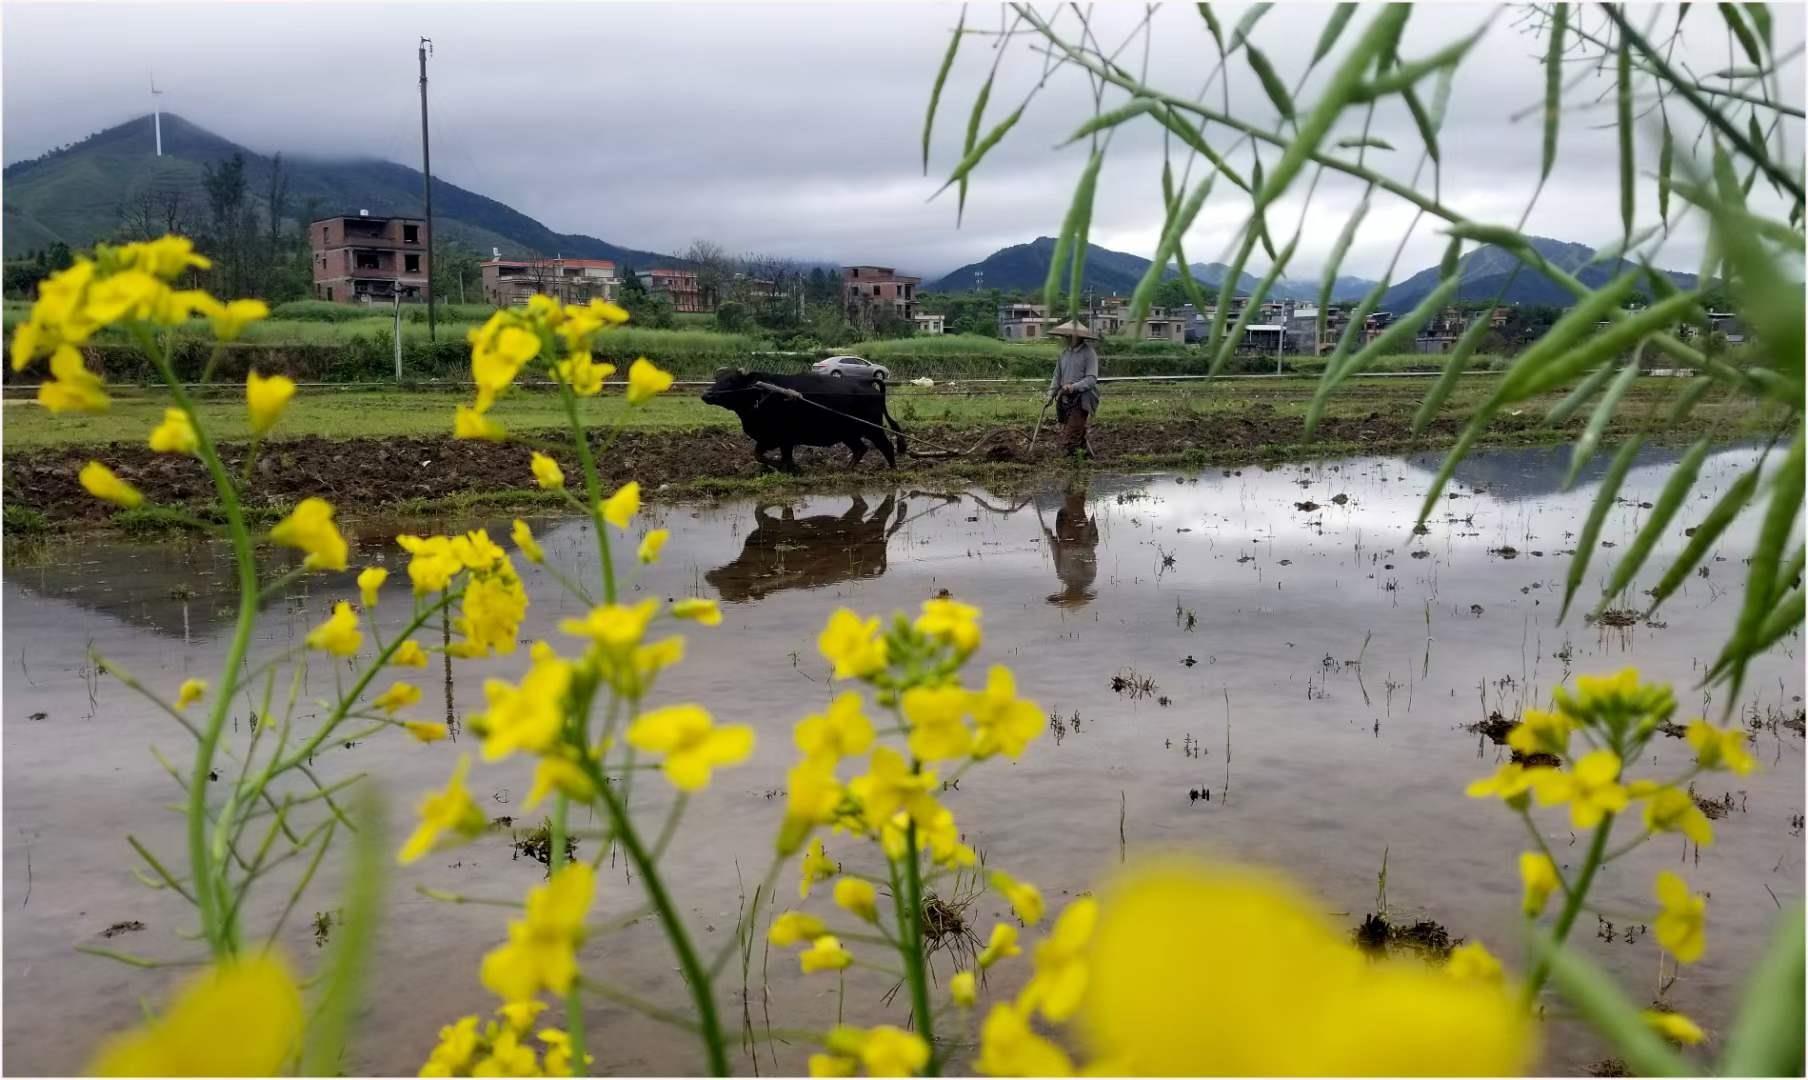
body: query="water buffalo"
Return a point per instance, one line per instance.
(831, 410)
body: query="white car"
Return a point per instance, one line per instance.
(851, 367)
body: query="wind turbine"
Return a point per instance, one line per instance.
(157, 113)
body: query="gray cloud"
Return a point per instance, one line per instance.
(793, 129)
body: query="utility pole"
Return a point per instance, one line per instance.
(157, 113)
(427, 186)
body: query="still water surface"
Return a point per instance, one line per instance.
(1313, 667)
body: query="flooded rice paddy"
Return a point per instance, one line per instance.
(1263, 664)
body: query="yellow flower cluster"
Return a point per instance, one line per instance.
(501, 1047)
(238, 1018)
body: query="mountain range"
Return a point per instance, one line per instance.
(1024, 268)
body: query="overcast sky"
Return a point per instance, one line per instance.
(795, 129)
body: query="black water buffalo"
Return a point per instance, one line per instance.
(819, 410)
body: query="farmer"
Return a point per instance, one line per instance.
(1075, 386)
(1074, 543)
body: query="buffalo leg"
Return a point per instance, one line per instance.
(787, 463)
(884, 445)
(759, 455)
(858, 447)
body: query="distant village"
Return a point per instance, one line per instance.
(381, 260)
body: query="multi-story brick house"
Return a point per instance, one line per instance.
(572, 281)
(365, 259)
(869, 288)
(681, 287)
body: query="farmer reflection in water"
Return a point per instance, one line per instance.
(1074, 544)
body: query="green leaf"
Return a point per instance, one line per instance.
(1665, 157)
(1783, 620)
(1340, 18)
(1111, 119)
(1178, 223)
(1253, 305)
(1453, 251)
(1760, 579)
(1549, 362)
(1063, 246)
(941, 78)
(1190, 135)
(1599, 999)
(1676, 489)
(1228, 289)
(1730, 13)
(1353, 141)
(1498, 235)
(1760, 20)
(1628, 166)
(972, 140)
(1397, 335)
(1083, 202)
(1271, 82)
(1705, 534)
(1553, 86)
(1453, 368)
(1597, 515)
(1247, 23)
(1261, 216)
(1403, 76)
(1586, 389)
(1211, 23)
(1597, 422)
(1464, 443)
(1328, 280)
(1427, 125)
(980, 150)
(1685, 404)
(1766, 1039)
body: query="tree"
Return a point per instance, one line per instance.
(643, 308)
(232, 223)
(714, 269)
(458, 274)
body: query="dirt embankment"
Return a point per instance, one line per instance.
(374, 474)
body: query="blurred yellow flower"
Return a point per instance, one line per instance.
(309, 527)
(339, 634)
(456, 1047)
(102, 483)
(620, 508)
(1025, 899)
(1008, 1046)
(526, 717)
(165, 257)
(409, 654)
(645, 380)
(1061, 969)
(698, 610)
(824, 954)
(433, 565)
(470, 423)
(1541, 733)
(1512, 782)
(963, 989)
(1615, 702)
(843, 731)
(889, 785)
(812, 797)
(1674, 1026)
(266, 398)
(176, 435)
(615, 627)
(541, 949)
(937, 732)
(490, 617)
(230, 319)
(370, 579)
(1590, 787)
(451, 810)
(1472, 960)
(891, 1051)
(426, 730)
(854, 645)
(398, 696)
(1681, 923)
(692, 743)
(817, 866)
(1719, 748)
(547, 472)
(794, 928)
(1002, 946)
(652, 544)
(950, 621)
(190, 692)
(584, 375)
(1538, 874)
(858, 898)
(562, 775)
(1670, 809)
(72, 387)
(557, 1061)
(1006, 723)
(525, 542)
(1306, 1003)
(241, 1017)
(498, 350)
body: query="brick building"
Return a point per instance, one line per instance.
(366, 259)
(572, 281)
(865, 288)
(681, 287)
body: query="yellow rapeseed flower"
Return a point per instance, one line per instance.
(370, 579)
(813, 796)
(817, 866)
(950, 621)
(309, 527)
(490, 616)
(241, 1017)
(1591, 788)
(398, 696)
(190, 692)
(1005, 722)
(1512, 782)
(1061, 963)
(339, 634)
(457, 1046)
(166, 257)
(1670, 809)
(547, 472)
(699, 610)
(620, 508)
(506, 1055)
(646, 380)
(1541, 732)
(1307, 1002)
(1472, 960)
(557, 1061)
(651, 545)
(1681, 923)
(230, 319)
(72, 387)
(824, 954)
(526, 717)
(433, 564)
(559, 774)
(498, 350)
(841, 732)
(892, 1051)
(889, 786)
(1719, 748)
(1025, 899)
(858, 898)
(541, 950)
(937, 732)
(854, 645)
(1008, 1046)
(451, 810)
(266, 398)
(692, 743)
(470, 423)
(426, 730)
(525, 542)
(176, 435)
(963, 989)
(615, 627)
(1002, 945)
(584, 375)
(409, 654)
(937, 834)
(1538, 874)
(795, 928)
(1616, 703)
(102, 483)
(1674, 1026)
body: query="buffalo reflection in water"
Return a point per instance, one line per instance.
(789, 552)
